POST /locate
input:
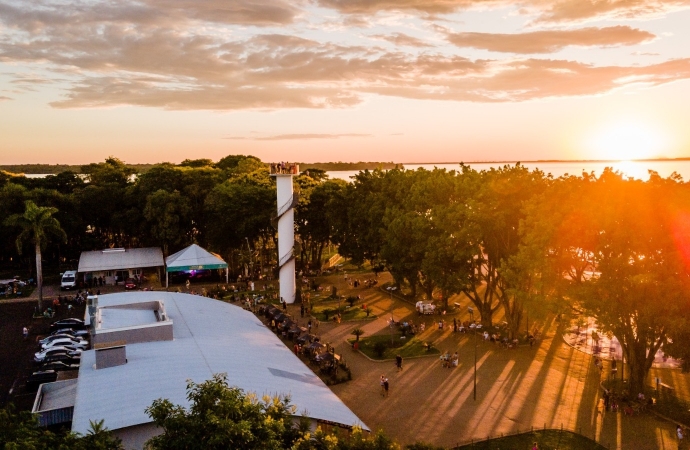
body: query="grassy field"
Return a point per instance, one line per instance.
(546, 440)
(407, 348)
(347, 313)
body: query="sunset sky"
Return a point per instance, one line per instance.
(343, 80)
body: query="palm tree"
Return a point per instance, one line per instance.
(36, 223)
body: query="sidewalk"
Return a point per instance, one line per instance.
(549, 385)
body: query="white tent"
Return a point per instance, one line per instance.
(193, 258)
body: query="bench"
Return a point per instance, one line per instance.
(664, 385)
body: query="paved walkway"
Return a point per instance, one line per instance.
(549, 385)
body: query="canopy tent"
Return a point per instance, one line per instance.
(193, 258)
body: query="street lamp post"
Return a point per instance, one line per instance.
(471, 311)
(475, 366)
(390, 290)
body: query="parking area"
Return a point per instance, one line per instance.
(16, 353)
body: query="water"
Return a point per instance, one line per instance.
(634, 169)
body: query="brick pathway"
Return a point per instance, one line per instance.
(551, 384)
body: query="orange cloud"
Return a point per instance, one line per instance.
(401, 39)
(547, 11)
(550, 41)
(119, 54)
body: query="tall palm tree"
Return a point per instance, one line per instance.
(37, 223)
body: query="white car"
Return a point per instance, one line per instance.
(68, 342)
(40, 356)
(53, 337)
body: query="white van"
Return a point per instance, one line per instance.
(69, 280)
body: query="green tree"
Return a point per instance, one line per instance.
(222, 417)
(20, 430)
(628, 266)
(167, 213)
(36, 224)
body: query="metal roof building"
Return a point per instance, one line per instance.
(119, 259)
(208, 337)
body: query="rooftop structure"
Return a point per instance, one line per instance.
(120, 258)
(208, 337)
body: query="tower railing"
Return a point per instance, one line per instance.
(291, 203)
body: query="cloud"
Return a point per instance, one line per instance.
(545, 11)
(645, 54)
(4, 98)
(288, 137)
(401, 39)
(110, 54)
(550, 41)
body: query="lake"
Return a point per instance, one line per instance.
(634, 169)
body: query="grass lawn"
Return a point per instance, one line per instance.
(406, 348)
(547, 440)
(347, 313)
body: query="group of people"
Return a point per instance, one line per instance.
(284, 168)
(449, 361)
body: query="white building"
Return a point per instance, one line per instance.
(122, 263)
(148, 344)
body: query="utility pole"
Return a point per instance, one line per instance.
(474, 329)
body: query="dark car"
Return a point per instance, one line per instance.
(75, 324)
(66, 357)
(59, 365)
(40, 377)
(130, 283)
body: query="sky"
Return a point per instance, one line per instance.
(343, 80)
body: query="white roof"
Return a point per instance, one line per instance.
(194, 257)
(209, 337)
(120, 259)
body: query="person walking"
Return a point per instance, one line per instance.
(679, 434)
(25, 333)
(398, 362)
(382, 382)
(535, 446)
(385, 387)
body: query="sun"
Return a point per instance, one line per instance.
(625, 141)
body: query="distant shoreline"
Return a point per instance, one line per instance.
(51, 169)
(522, 161)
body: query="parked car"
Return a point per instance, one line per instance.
(68, 280)
(69, 331)
(53, 337)
(40, 356)
(67, 357)
(73, 342)
(130, 283)
(59, 366)
(72, 352)
(75, 324)
(38, 378)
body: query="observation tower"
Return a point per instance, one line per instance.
(287, 200)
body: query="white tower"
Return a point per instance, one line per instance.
(287, 200)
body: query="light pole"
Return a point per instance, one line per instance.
(471, 311)
(474, 329)
(390, 290)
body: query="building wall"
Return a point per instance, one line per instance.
(162, 331)
(134, 438)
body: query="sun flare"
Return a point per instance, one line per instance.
(627, 141)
